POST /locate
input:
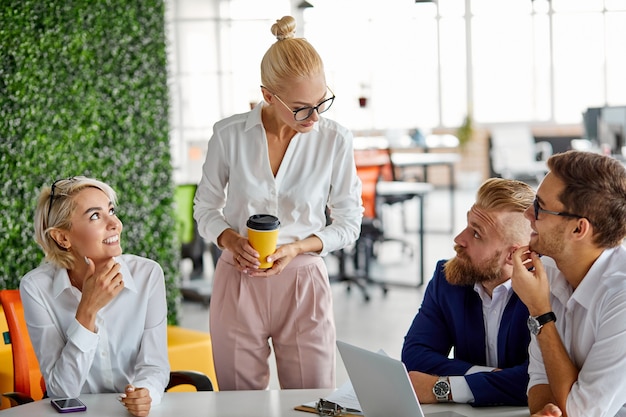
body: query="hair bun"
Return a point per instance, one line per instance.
(284, 28)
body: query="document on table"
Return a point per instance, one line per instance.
(344, 396)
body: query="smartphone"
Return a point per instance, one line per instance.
(68, 405)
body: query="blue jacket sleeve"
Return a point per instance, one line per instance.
(451, 317)
(505, 387)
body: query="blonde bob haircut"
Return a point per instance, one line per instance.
(54, 210)
(289, 58)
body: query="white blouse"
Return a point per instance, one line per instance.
(317, 171)
(130, 343)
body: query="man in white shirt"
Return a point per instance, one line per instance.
(576, 299)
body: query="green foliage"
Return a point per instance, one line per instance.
(83, 91)
(466, 130)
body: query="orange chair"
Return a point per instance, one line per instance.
(370, 167)
(28, 384)
(380, 188)
(26, 371)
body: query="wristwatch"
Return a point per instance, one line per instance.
(441, 389)
(536, 323)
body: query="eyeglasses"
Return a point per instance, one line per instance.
(52, 188)
(556, 213)
(304, 113)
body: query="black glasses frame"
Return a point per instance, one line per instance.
(555, 213)
(51, 200)
(309, 109)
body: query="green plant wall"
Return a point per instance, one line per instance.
(83, 91)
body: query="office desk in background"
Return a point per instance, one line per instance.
(371, 165)
(424, 160)
(271, 403)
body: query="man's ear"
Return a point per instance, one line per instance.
(582, 228)
(510, 251)
(61, 238)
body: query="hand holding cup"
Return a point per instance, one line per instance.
(263, 236)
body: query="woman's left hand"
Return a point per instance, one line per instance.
(281, 258)
(136, 400)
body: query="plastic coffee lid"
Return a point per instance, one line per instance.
(263, 222)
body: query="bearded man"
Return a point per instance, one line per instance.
(469, 306)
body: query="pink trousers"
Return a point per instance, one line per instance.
(294, 309)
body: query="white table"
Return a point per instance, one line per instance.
(274, 403)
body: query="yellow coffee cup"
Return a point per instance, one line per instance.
(263, 235)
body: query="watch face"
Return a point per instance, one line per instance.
(441, 389)
(533, 325)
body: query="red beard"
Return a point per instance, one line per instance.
(461, 271)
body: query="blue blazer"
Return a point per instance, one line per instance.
(452, 316)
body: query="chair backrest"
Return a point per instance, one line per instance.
(183, 196)
(369, 166)
(369, 178)
(26, 374)
(514, 151)
(197, 379)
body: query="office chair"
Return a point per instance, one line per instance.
(390, 191)
(357, 254)
(192, 246)
(369, 170)
(371, 234)
(197, 379)
(28, 382)
(385, 193)
(515, 155)
(399, 189)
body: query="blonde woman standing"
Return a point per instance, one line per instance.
(281, 158)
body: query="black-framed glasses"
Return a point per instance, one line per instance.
(52, 196)
(556, 213)
(304, 113)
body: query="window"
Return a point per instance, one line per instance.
(418, 64)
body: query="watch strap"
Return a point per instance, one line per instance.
(546, 318)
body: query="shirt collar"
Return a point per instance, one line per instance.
(254, 116)
(586, 290)
(61, 280)
(505, 289)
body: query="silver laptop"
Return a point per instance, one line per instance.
(382, 384)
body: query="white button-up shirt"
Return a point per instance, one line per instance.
(128, 347)
(317, 170)
(592, 324)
